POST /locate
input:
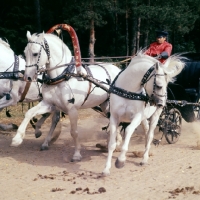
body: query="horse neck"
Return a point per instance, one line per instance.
(6, 59)
(132, 76)
(59, 55)
(22, 63)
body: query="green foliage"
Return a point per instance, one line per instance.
(181, 18)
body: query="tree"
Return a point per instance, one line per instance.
(89, 14)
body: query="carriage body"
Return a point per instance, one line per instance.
(186, 88)
(189, 79)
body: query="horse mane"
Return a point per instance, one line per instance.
(34, 35)
(172, 66)
(4, 43)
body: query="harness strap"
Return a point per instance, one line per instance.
(90, 84)
(128, 95)
(147, 74)
(89, 90)
(25, 91)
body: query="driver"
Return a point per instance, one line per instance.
(160, 49)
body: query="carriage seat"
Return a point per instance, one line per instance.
(189, 79)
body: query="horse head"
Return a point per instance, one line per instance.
(171, 68)
(35, 54)
(44, 50)
(158, 76)
(156, 86)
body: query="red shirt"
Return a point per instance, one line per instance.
(156, 49)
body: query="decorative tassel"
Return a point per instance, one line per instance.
(35, 119)
(8, 113)
(71, 100)
(63, 114)
(32, 124)
(108, 81)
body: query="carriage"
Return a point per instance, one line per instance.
(183, 100)
(182, 95)
(149, 92)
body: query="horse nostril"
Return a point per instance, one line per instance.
(29, 79)
(160, 105)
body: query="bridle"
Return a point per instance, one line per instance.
(46, 49)
(148, 76)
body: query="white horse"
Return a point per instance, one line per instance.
(68, 96)
(12, 87)
(129, 103)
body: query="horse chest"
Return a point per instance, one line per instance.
(127, 112)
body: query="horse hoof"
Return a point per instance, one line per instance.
(119, 164)
(14, 126)
(38, 134)
(16, 142)
(43, 148)
(143, 163)
(105, 173)
(75, 160)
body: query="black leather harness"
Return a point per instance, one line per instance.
(14, 75)
(131, 95)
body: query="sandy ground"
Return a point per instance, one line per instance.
(173, 171)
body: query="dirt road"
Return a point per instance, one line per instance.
(28, 173)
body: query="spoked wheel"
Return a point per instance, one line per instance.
(172, 125)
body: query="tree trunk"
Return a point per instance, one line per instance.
(138, 33)
(146, 36)
(37, 15)
(133, 40)
(127, 34)
(116, 28)
(92, 41)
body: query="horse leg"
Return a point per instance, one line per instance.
(118, 140)
(41, 108)
(128, 133)
(55, 120)
(150, 134)
(12, 101)
(111, 145)
(73, 117)
(39, 123)
(7, 127)
(145, 126)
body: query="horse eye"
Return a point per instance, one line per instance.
(159, 87)
(35, 54)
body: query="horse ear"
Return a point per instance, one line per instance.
(43, 34)
(28, 35)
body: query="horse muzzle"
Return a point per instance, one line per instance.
(155, 101)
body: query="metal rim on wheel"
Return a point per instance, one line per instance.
(173, 123)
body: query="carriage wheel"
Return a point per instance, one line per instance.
(173, 122)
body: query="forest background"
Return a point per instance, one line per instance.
(105, 27)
